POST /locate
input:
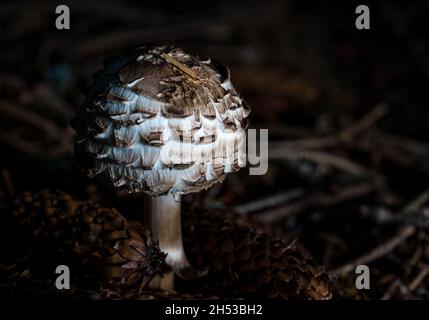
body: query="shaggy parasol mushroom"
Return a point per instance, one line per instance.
(161, 121)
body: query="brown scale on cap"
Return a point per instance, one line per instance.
(157, 119)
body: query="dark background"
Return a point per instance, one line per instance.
(347, 112)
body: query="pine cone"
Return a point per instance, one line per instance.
(95, 236)
(249, 263)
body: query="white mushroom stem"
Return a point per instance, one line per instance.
(165, 224)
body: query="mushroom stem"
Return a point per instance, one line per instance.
(165, 224)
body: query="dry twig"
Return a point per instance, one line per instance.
(346, 135)
(378, 252)
(321, 158)
(317, 200)
(415, 283)
(390, 244)
(268, 202)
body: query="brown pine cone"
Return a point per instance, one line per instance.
(249, 263)
(95, 236)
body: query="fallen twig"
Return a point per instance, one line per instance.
(16, 111)
(62, 138)
(378, 252)
(321, 158)
(391, 289)
(415, 283)
(268, 202)
(387, 246)
(367, 121)
(317, 200)
(345, 135)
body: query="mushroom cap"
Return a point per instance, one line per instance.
(159, 120)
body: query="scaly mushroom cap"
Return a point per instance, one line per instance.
(160, 120)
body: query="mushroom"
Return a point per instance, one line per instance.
(167, 123)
